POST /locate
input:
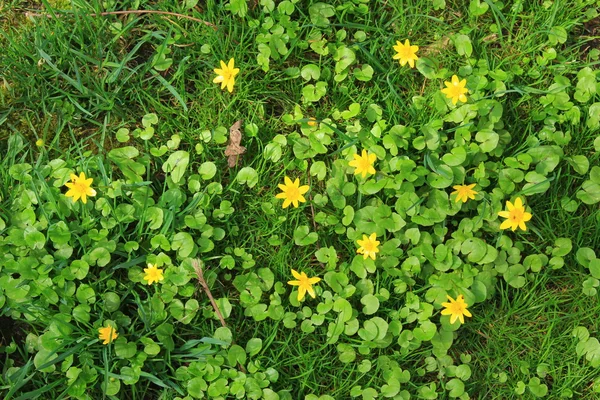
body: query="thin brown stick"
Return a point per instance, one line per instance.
(200, 275)
(127, 12)
(206, 289)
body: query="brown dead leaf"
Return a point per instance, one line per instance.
(234, 150)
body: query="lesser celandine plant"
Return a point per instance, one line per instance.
(420, 161)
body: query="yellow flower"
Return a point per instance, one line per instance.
(292, 192)
(79, 187)
(456, 90)
(516, 214)
(226, 75)
(304, 284)
(406, 53)
(312, 122)
(153, 274)
(108, 334)
(39, 143)
(464, 192)
(456, 308)
(363, 163)
(368, 246)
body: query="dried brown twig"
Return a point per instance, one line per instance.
(200, 275)
(127, 12)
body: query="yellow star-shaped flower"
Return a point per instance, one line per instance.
(108, 334)
(292, 192)
(464, 192)
(226, 75)
(516, 215)
(363, 163)
(304, 284)
(368, 246)
(153, 274)
(456, 90)
(406, 53)
(457, 309)
(80, 188)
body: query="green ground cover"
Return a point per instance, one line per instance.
(129, 100)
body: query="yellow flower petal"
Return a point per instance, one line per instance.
(301, 292)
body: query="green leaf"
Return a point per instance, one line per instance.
(320, 13)
(238, 7)
(557, 34)
(207, 170)
(593, 121)
(310, 71)
(149, 119)
(456, 387)
(427, 67)
(124, 349)
(371, 304)
(589, 193)
(594, 267)
(478, 8)
(488, 140)
(364, 73)
(562, 247)
(318, 169)
(456, 157)
(463, 45)
(303, 236)
(425, 331)
(122, 135)
(247, 175)
(183, 243)
(579, 163)
(345, 57)
(176, 165)
(33, 238)
(537, 388)
(584, 256)
(253, 346)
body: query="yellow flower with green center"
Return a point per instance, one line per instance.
(516, 215)
(456, 90)
(79, 188)
(363, 163)
(406, 53)
(226, 75)
(108, 334)
(368, 246)
(457, 309)
(464, 192)
(304, 284)
(153, 274)
(292, 192)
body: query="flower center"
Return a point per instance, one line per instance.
(292, 192)
(364, 164)
(457, 308)
(456, 89)
(516, 215)
(369, 246)
(80, 187)
(406, 52)
(304, 281)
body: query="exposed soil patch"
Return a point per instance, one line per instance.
(591, 30)
(11, 330)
